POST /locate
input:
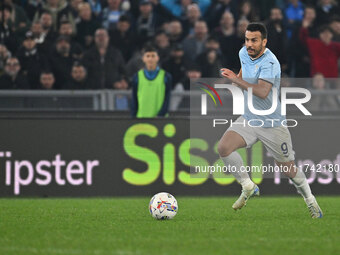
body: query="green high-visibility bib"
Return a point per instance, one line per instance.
(150, 94)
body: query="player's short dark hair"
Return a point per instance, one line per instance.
(256, 26)
(149, 48)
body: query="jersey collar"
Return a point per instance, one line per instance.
(259, 56)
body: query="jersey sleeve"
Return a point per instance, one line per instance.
(267, 72)
(241, 52)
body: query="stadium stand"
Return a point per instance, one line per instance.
(60, 45)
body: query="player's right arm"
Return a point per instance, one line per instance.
(261, 89)
(239, 76)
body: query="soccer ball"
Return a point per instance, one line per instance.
(163, 206)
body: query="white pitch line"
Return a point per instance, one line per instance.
(65, 251)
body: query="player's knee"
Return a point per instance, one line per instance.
(224, 149)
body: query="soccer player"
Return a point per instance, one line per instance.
(260, 70)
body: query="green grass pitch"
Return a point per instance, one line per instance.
(203, 225)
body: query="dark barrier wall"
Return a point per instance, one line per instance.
(120, 157)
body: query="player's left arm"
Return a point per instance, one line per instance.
(238, 75)
(261, 89)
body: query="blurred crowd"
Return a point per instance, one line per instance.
(96, 44)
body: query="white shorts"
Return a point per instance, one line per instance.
(277, 140)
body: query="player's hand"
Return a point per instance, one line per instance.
(227, 73)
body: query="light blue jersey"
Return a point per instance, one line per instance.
(267, 68)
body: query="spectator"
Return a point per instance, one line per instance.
(147, 23)
(7, 36)
(228, 41)
(61, 61)
(194, 45)
(323, 52)
(13, 78)
(47, 80)
(310, 18)
(239, 41)
(248, 11)
(123, 37)
(131, 23)
(96, 7)
(48, 36)
(86, 27)
(226, 27)
(210, 60)
(264, 7)
(294, 15)
(19, 19)
(277, 37)
(162, 12)
(193, 72)
(178, 8)
(4, 55)
(78, 78)
(335, 27)
(31, 8)
(192, 15)
(135, 64)
(216, 11)
(176, 64)
(325, 11)
(298, 52)
(32, 60)
(240, 32)
(321, 102)
(105, 64)
(59, 10)
(37, 32)
(111, 14)
(162, 45)
(66, 30)
(175, 32)
(151, 88)
(74, 6)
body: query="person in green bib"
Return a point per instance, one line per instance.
(151, 87)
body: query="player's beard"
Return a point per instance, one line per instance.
(255, 53)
